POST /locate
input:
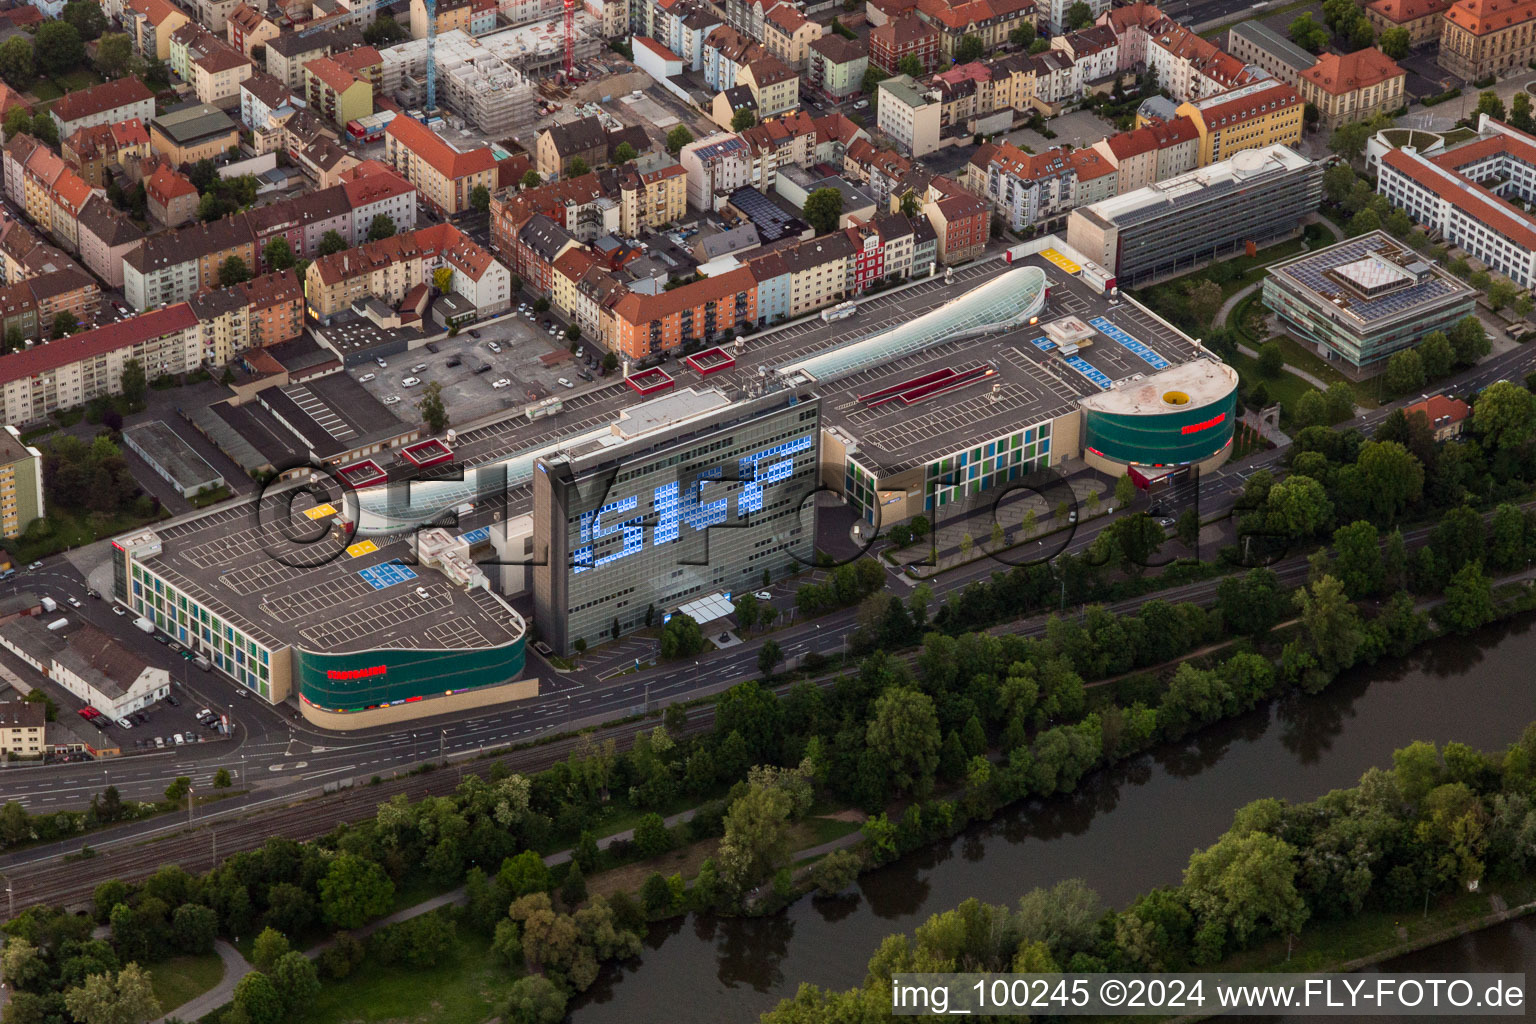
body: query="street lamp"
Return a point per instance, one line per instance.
(189, 805)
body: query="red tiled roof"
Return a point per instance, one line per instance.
(368, 188)
(72, 192)
(100, 98)
(1463, 193)
(165, 185)
(1089, 164)
(89, 344)
(1400, 11)
(641, 309)
(1481, 17)
(443, 158)
(1437, 406)
(222, 58)
(1362, 69)
(332, 74)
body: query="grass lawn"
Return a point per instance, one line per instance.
(71, 529)
(220, 493)
(45, 90)
(1299, 356)
(82, 78)
(467, 988)
(1286, 389)
(184, 978)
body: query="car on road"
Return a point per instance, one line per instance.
(178, 738)
(382, 364)
(410, 382)
(160, 742)
(35, 565)
(118, 609)
(418, 368)
(494, 346)
(365, 378)
(501, 383)
(1165, 522)
(763, 595)
(565, 383)
(173, 645)
(74, 602)
(392, 399)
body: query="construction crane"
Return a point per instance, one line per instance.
(378, 5)
(570, 39)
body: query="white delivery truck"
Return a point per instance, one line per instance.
(50, 605)
(58, 624)
(145, 625)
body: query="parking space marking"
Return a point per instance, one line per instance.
(321, 511)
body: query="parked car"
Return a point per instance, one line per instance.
(763, 595)
(392, 399)
(160, 742)
(493, 346)
(410, 382)
(565, 383)
(88, 712)
(475, 335)
(580, 351)
(172, 700)
(418, 368)
(1165, 522)
(74, 602)
(118, 609)
(125, 722)
(382, 364)
(35, 565)
(501, 383)
(365, 378)
(432, 347)
(179, 739)
(584, 375)
(454, 361)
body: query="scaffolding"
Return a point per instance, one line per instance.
(474, 82)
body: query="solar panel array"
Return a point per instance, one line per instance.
(771, 222)
(1312, 273)
(1114, 333)
(1088, 370)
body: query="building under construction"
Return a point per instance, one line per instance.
(473, 81)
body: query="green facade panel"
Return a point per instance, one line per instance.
(361, 680)
(1173, 438)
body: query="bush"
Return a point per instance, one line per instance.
(422, 941)
(342, 957)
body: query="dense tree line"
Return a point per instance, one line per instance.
(1434, 822)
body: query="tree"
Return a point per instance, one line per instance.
(278, 254)
(743, 119)
(86, 17)
(524, 874)
(1131, 541)
(1394, 43)
(1468, 340)
(1021, 36)
(433, 412)
(18, 66)
(1405, 372)
(1520, 111)
(180, 787)
(823, 208)
(1468, 601)
(268, 947)
(904, 731)
(297, 982)
(652, 836)
(1205, 301)
(65, 323)
(1437, 355)
(256, 1001)
(1349, 140)
(531, 179)
(1490, 104)
(1079, 15)
(331, 242)
(1504, 415)
(1245, 883)
(1308, 34)
(384, 31)
(909, 203)
(383, 226)
(58, 47)
(535, 999)
(1271, 359)
(1364, 222)
(44, 129)
(756, 841)
(835, 872)
(1331, 624)
(354, 890)
(1298, 507)
(19, 119)
(1501, 293)
(577, 168)
(969, 48)
(233, 271)
(677, 138)
(102, 999)
(681, 637)
(1187, 528)
(769, 655)
(442, 279)
(1357, 559)
(1125, 490)
(114, 54)
(573, 333)
(911, 65)
(194, 928)
(623, 153)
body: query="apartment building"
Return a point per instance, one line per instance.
(107, 235)
(836, 65)
(248, 28)
(1095, 50)
(909, 114)
(171, 198)
(335, 93)
(288, 53)
(216, 76)
(1151, 153)
(444, 176)
(88, 365)
(531, 247)
(1465, 192)
(788, 34)
(1025, 189)
(274, 305)
(1189, 66)
(791, 139)
(121, 99)
(961, 222)
(150, 24)
(22, 722)
(96, 151)
(991, 21)
(192, 134)
(1266, 113)
(907, 36)
(775, 87)
(1353, 87)
(263, 97)
(714, 167)
(389, 268)
(645, 325)
(878, 170)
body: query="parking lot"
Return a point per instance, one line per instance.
(531, 362)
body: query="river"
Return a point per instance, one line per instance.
(1125, 831)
